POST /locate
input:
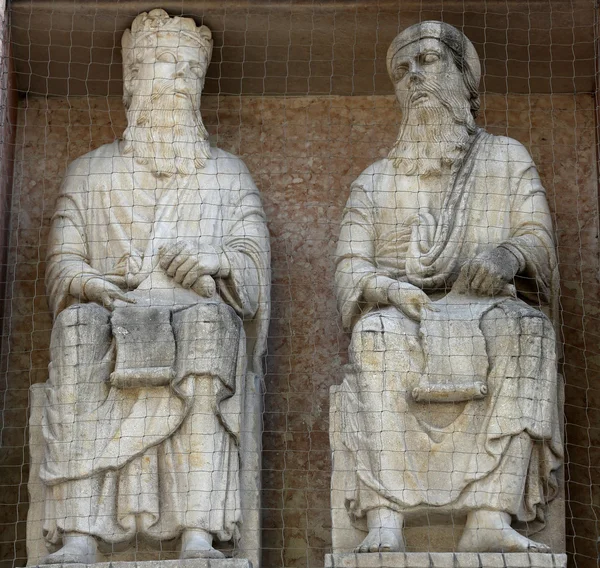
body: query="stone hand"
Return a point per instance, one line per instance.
(188, 264)
(489, 272)
(408, 299)
(104, 293)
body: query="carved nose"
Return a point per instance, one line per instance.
(181, 69)
(415, 76)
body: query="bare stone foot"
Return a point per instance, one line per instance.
(77, 549)
(198, 544)
(385, 532)
(490, 531)
(381, 540)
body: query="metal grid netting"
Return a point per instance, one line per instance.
(300, 92)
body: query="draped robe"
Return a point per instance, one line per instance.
(496, 447)
(158, 459)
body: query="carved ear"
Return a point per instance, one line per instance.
(127, 40)
(128, 60)
(127, 48)
(206, 36)
(205, 33)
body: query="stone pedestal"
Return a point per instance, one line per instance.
(197, 563)
(446, 560)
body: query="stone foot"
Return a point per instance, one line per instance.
(77, 549)
(490, 531)
(198, 544)
(385, 532)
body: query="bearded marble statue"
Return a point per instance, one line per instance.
(447, 279)
(158, 278)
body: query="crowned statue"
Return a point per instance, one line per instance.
(158, 278)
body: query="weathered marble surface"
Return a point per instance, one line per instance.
(304, 153)
(158, 278)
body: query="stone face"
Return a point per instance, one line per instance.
(446, 560)
(447, 278)
(158, 278)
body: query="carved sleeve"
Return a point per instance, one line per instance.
(355, 255)
(67, 258)
(531, 234)
(245, 246)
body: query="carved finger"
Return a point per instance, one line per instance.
(190, 278)
(427, 304)
(486, 287)
(178, 261)
(119, 295)
(477, 279)
(464, 269)
(183, 269)
(207, 268)
(205, 286)
(411, 311)
(424, 300)
(168, 254)
(471, 269)
(498, 285)
(171, 250)
(106, 300)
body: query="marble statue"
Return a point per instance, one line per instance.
(158, 278)
(447, 278)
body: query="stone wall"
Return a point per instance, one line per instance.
(304, 153)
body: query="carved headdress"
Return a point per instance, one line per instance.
(460, 47)
(157, 28)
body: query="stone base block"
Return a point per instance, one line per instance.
(446, 560)
(196, 563)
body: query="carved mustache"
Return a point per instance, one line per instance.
(425, 88)
(418, 95)
(164, 87)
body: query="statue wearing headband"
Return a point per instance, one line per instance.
(447, 279)
(158, 277)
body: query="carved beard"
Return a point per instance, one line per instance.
(165, 132)
(435, 135)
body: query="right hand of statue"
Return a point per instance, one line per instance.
(104, 293)
(409, 299)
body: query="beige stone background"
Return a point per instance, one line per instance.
(303, 153)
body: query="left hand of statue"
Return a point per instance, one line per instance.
(186, 263)
(489, 272)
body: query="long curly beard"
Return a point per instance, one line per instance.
(435, 135)
(165, 133)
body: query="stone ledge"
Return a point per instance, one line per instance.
(195, 563)
(446, 560)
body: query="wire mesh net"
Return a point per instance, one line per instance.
(300, 92)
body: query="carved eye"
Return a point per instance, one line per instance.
(430, 57)
(400, 72)
(134, 72)
(197, 68)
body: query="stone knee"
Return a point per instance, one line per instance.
(502, 324)
(384, 342)
(82, 314)
(368, 333)
(208, 339)
(80, 324)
